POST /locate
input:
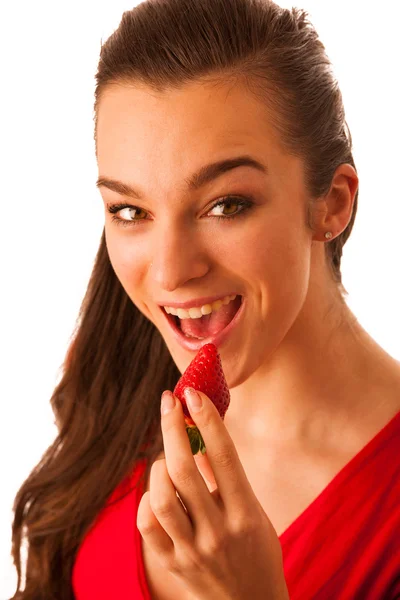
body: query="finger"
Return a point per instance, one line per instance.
(152, 532)
(167, 507)
(185, 476)
(233, 486)
(203, 464)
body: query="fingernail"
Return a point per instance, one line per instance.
(167, 402)
(193, 399)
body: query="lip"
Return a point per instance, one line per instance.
(196, 303)
(195, 345)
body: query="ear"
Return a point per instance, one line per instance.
(333, 211)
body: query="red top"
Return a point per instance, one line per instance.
(345, 545)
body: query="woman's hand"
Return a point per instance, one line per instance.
(219, 543)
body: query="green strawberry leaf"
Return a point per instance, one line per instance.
(196, 440)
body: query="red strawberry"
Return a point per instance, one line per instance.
(205, 374)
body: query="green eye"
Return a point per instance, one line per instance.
(229, 203)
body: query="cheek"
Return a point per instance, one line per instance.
(272, 253)
(279, 271)
(127, 262)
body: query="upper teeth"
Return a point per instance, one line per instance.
(199, 311)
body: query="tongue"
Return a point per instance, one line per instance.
(211, 324)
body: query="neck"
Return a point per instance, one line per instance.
(326, 371)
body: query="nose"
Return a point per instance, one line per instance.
(177, 257)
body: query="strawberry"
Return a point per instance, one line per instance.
(206, 375)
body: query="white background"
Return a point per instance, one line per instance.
(52, 214)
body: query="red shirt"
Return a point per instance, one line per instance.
(344, 546)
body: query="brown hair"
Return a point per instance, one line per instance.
(107, 402)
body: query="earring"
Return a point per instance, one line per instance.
(328, 235)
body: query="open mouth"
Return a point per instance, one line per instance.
(193, 333)
(178, 321)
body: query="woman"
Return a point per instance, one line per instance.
(226, 172)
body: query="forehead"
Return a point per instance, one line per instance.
(158, 139)
(194, 115)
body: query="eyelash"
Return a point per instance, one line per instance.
(244, 203)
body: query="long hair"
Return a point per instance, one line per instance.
(106, 404)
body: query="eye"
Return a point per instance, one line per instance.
(231, 204)
(129, 208)
(138, 211)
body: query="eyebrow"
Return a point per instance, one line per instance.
(205, 175)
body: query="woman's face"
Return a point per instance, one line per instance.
(172, 247)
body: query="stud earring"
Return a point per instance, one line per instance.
(328, 235)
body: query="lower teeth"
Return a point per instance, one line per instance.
(194, 337)
(191, 337)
